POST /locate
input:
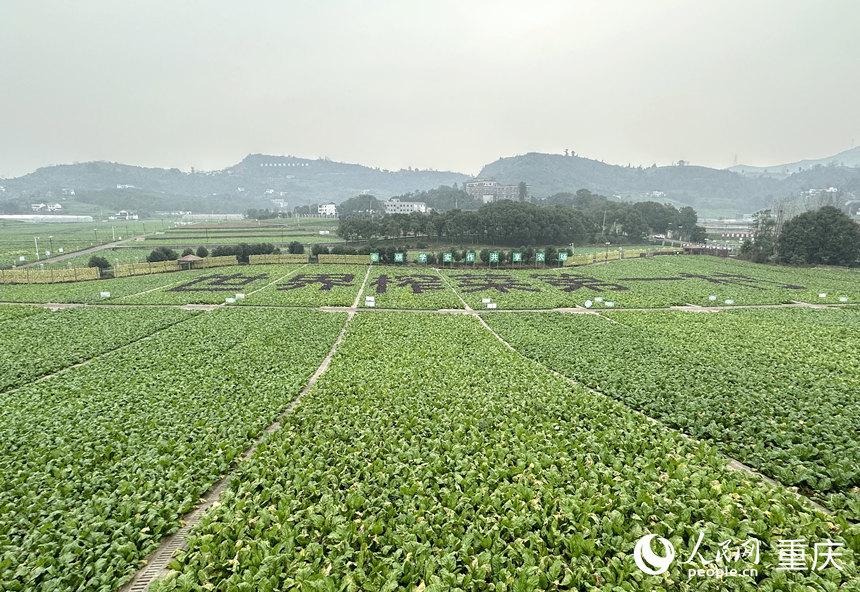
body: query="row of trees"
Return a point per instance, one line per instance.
(823, 236)
(386, 253)
(585, 219)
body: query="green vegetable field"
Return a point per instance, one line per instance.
(655, 282)
(354, 427)
(776, 389)
(493, 474)
(100, 462)
(44, 343)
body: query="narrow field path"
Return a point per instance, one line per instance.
(73, 254)
(155, 565)
(731, 463)
(97, 356)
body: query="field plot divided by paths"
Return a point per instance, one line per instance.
(99, 463)
(213, 286)
(89, 292)
(495, 474)
(42, 344)
(156, 564)
(399, 287)
(314, 285)
(656, 282)
(775, 389)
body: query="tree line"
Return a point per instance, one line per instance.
(581, 218)
(824, 236)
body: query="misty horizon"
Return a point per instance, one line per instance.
(441, 85)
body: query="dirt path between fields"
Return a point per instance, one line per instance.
(731, 463)
(155, 565)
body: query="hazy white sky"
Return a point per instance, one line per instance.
(441, 84)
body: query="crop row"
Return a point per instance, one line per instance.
(98, 464)
(492, 474)
(43, 343)
(776, 389)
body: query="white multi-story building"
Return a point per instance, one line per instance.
(395, 206)
(327, 209)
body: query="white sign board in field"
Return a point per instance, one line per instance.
(104, 294)
(491, 305)
(486, 300)
(230, 300)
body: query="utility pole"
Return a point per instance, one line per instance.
(36, 240)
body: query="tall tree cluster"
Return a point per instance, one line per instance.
(579, 218)
(825, 236)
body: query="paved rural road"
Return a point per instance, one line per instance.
(64, 256)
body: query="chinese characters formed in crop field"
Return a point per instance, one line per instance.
(492, 281)
(218, 282)
(419, 282)
(327, 281)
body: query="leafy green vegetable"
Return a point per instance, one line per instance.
(776, 389)
(430, 457)
(98, 463)
(47, 342)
